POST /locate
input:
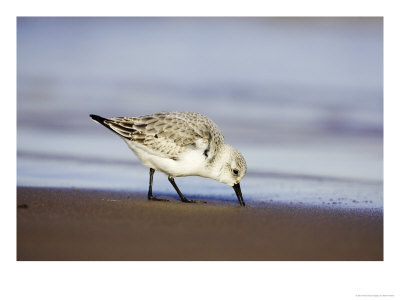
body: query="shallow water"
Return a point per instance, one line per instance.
(300, 98)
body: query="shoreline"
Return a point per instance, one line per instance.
(89, 224)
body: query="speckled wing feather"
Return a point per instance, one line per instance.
(170, 134)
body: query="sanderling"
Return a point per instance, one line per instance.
(180, 144)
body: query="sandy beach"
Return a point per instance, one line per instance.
(79, 224)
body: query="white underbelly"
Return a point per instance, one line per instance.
(189, 163)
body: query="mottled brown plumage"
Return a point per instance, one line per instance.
(168, 134)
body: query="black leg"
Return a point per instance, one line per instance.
(150, 193)
(183, 198)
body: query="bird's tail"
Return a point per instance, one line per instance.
(122, 131)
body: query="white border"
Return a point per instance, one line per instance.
(198, 280)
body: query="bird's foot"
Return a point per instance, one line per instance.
(152, 198)
(193, 201)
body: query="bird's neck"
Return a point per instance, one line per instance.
(216, 164)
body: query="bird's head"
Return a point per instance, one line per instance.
(233, 169)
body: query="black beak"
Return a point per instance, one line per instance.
(238, 192)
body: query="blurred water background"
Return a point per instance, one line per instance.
(301, 98)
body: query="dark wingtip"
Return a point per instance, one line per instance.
(98, 118)
(105, 122)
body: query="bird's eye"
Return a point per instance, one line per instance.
(235, 172)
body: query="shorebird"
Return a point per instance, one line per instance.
(180, 144)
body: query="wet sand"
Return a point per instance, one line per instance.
(71, 224)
